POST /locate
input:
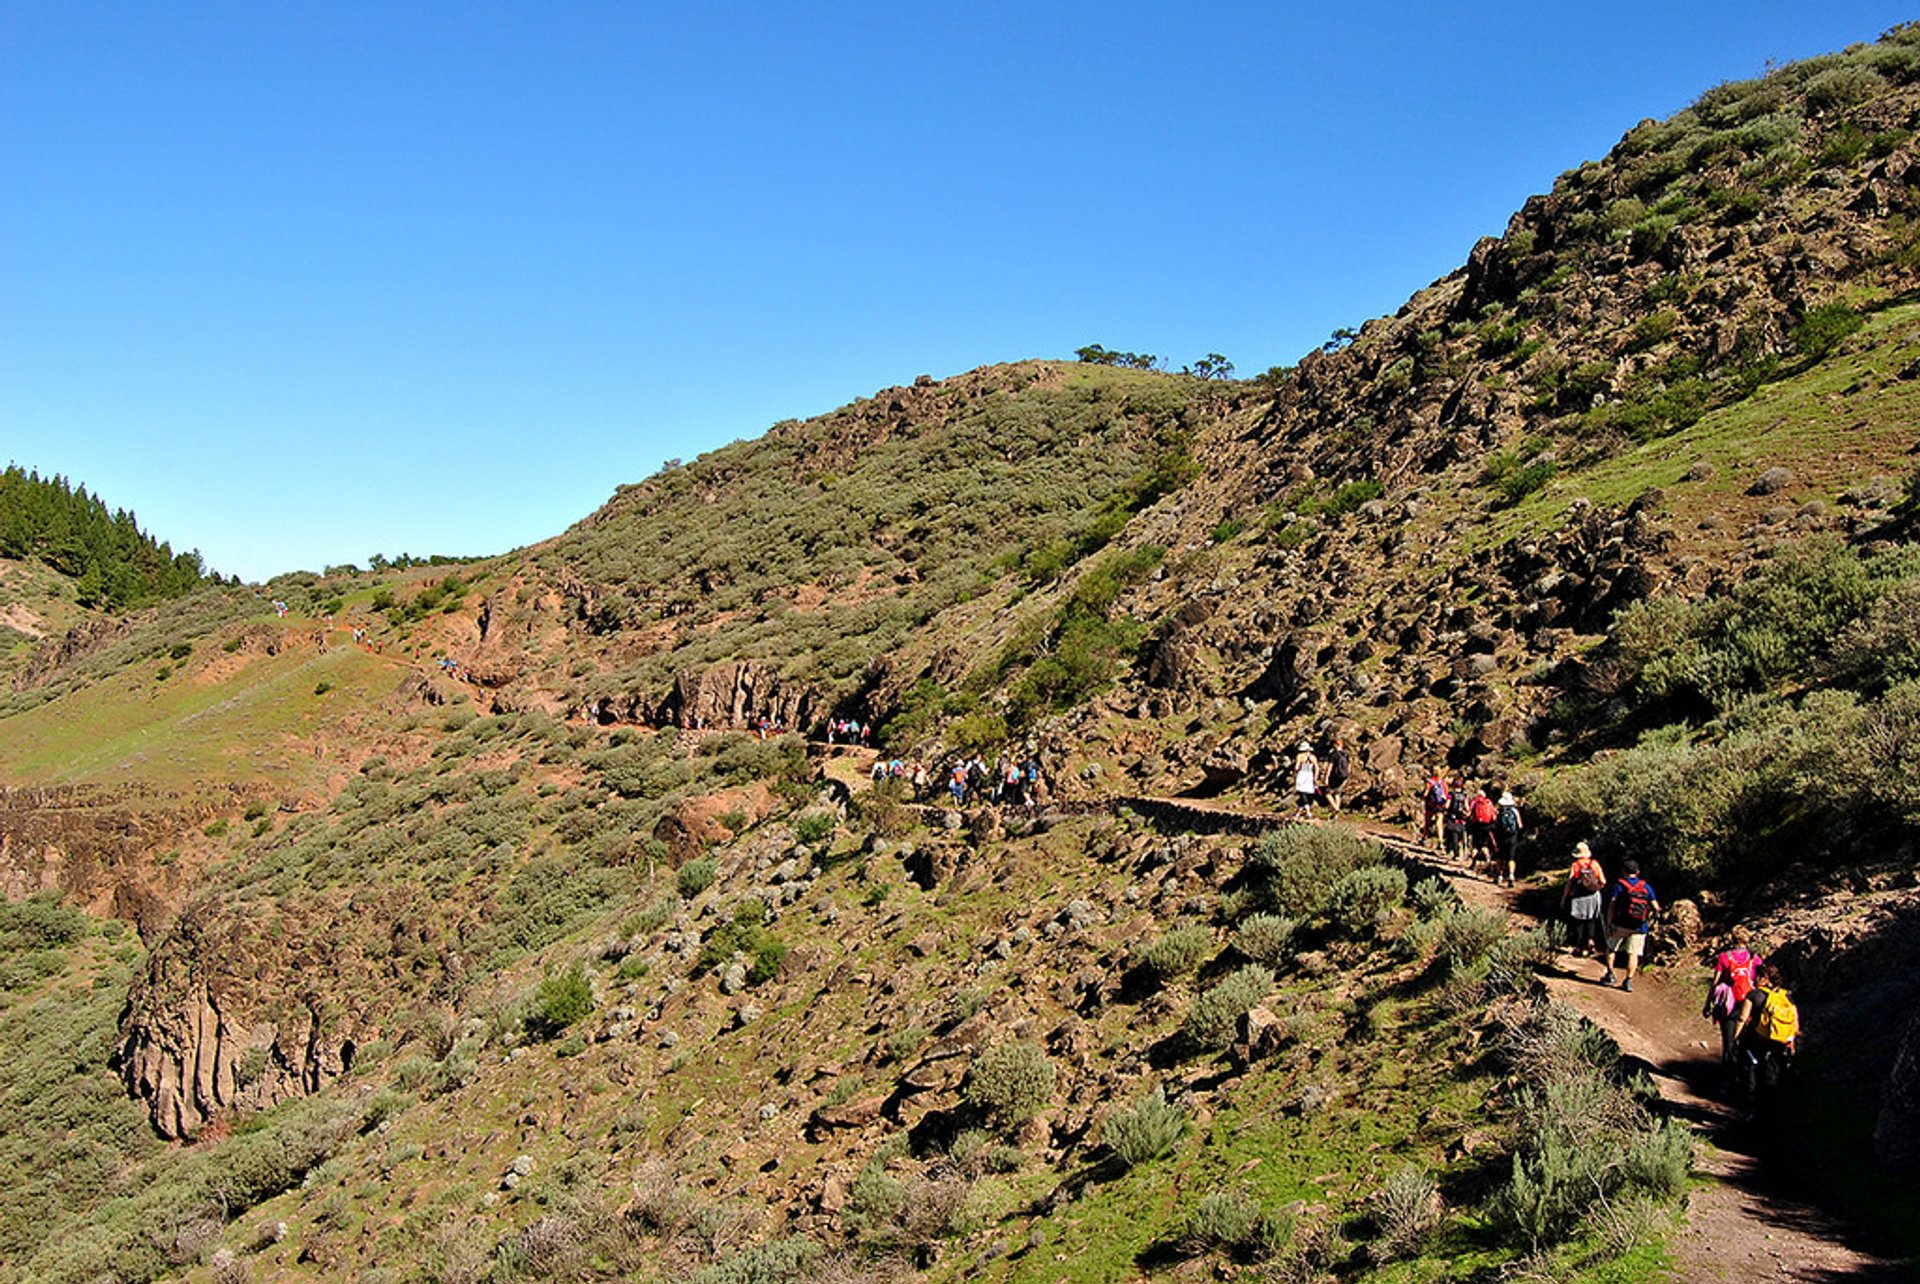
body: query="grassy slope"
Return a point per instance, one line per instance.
(250, 719)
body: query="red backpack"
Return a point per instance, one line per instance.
(1483, 810)
(1736, 966)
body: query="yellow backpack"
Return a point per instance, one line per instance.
(1779, 1020)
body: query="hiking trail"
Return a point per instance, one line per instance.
(1758, 1214)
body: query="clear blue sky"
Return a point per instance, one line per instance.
(299, 283)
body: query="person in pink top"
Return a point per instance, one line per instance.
(1730, 994)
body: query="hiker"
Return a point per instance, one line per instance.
(1434, 797)
(1306, 781)
(1481, 813)
(919, 781)
(1453, 827)
(1339, 771)
(957, 783)
(1729, 1001)
(1581, 901)
(1507, 825)
(1631, 908)
(1769, 1040)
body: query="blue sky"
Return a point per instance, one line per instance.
(303, 283)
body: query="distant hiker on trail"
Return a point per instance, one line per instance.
(1507, 825)
(1453, 827)
(1339, 771)
(957, 783)
(1631, 908)
(919, 781)
(1769, 1040)
(1434, 796)
(1729, 1001)
(1581, 900)
(1481, 813)
(1306, 781)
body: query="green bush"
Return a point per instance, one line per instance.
(1010, 1082)
(1589, 1139)
(1266, 938)
(39, 922)
(1234, 1221)
(1361, 900)
(792, 1260)
(812, 827)
(560, 999)
(1824, 329)
(1144, 1129)
(695, 877)
(1178, 950)
(1210, 1023)
(1406, 1212)
(1296, 866)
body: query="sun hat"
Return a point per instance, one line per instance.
(1508, 800)
(1581, 849)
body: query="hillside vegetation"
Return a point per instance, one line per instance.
(507, 920)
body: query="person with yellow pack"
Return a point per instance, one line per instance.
(1770, 1040)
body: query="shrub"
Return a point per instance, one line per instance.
(1145, 1129)
(1266, 938)
(1362, 899)
(1223, 1219)
(1405, 1212)
(1468, 934)
(1234, 1221)
(812, 827)
(560, 999)
(1824, 329)
(1177, 950)
(1842, 87)
(1297, 866)
(1210, 1022)
(1589, 1140)
(1433, 895)
(695, 877)
(775, 1261)
(1010, 1082)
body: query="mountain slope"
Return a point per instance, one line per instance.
(523, 949)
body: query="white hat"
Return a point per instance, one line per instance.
(1508, 800)
(1581, 849)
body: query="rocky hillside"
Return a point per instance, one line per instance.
(499, 919)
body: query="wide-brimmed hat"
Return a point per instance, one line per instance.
(1508, 800)
(1581, 849)
(1305, 747)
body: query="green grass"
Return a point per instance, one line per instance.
(1825, 423)
(187, 730)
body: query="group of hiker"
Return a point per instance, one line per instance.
(1476, 826)
(850, 731)
(1610, 920)
(1758, 1023)
(1009, 780)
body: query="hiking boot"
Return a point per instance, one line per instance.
(1627, 985)
(1608, 978)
